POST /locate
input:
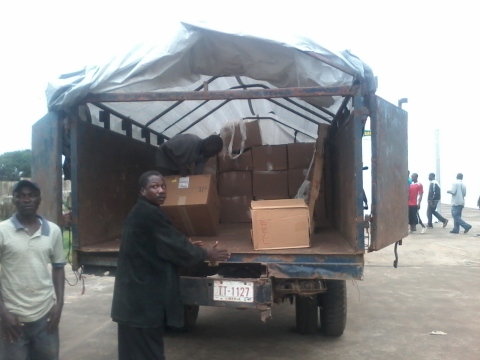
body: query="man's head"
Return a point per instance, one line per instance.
(459, 176)
(152, 187)
(431, 176)
(211, 146)
(26, 197)
(414, 177)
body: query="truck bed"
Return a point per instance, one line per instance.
(237, 239)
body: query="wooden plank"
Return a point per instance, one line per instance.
(317, 171)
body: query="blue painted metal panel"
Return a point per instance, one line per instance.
(331, 270)
(299, 258)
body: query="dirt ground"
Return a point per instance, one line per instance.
(392, 314)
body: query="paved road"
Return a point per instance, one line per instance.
(391, 313)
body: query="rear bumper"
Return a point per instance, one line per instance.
(199, 291)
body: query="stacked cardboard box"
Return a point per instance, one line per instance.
(192, 204)
(211, 168)
(270, 176)
(264, 172)
(280, 224)
(299, 158)
(241, 135)
(235, 170)
(241, 162)
(235, 187)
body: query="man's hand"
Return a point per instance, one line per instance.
(54, 318)
(214, 254)
(12, 328)
(196, 242)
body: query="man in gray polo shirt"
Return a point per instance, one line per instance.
(31, 297)
(458, 192)
(187, 154)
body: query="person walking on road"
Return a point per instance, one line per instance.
(434, 196)
(415, 195)
(31, 295)
(146, 295)
(458, 192)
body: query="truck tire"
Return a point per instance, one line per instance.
(190, 315)
(306, 314)
(333, 308)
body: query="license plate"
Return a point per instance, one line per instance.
(240, 291)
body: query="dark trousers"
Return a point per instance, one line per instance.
(414, 217)
(457, 218)
(412, 214)
(432, 210)
(140, 343)
(35, 343)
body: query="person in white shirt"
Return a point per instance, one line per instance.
(458, 192)
(31, 295)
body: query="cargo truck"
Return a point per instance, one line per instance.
(105, 123)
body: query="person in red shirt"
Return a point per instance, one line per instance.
(415, 195)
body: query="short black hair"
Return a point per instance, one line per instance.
(460, 176)
(143, 179)
(215, 141)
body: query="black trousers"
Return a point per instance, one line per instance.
(432, 210)
(412, 214)
(140, 343)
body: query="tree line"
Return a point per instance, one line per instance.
(15, 165)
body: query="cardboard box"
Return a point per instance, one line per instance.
(247, 131)
(270, 158)
(241, 163)
(300, 155)
(235, 183)
(270, 184)
(296, 177)
(192, 204)
(280, 224)
(211, 166)
(235, 209)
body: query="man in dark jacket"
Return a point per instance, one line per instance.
(434, 196)
(187, 154)
(146, 295)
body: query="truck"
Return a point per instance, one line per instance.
(105, 123)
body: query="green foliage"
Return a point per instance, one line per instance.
(67, 245)
(15, 164)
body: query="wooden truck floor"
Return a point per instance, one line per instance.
(237, 239)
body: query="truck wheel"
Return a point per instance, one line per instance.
(333, 308)
(306, 314)
(190, 315)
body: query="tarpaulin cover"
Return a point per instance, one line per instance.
(186, 57)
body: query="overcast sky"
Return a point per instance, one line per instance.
(426, 53)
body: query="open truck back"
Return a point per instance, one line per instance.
(105, 123)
